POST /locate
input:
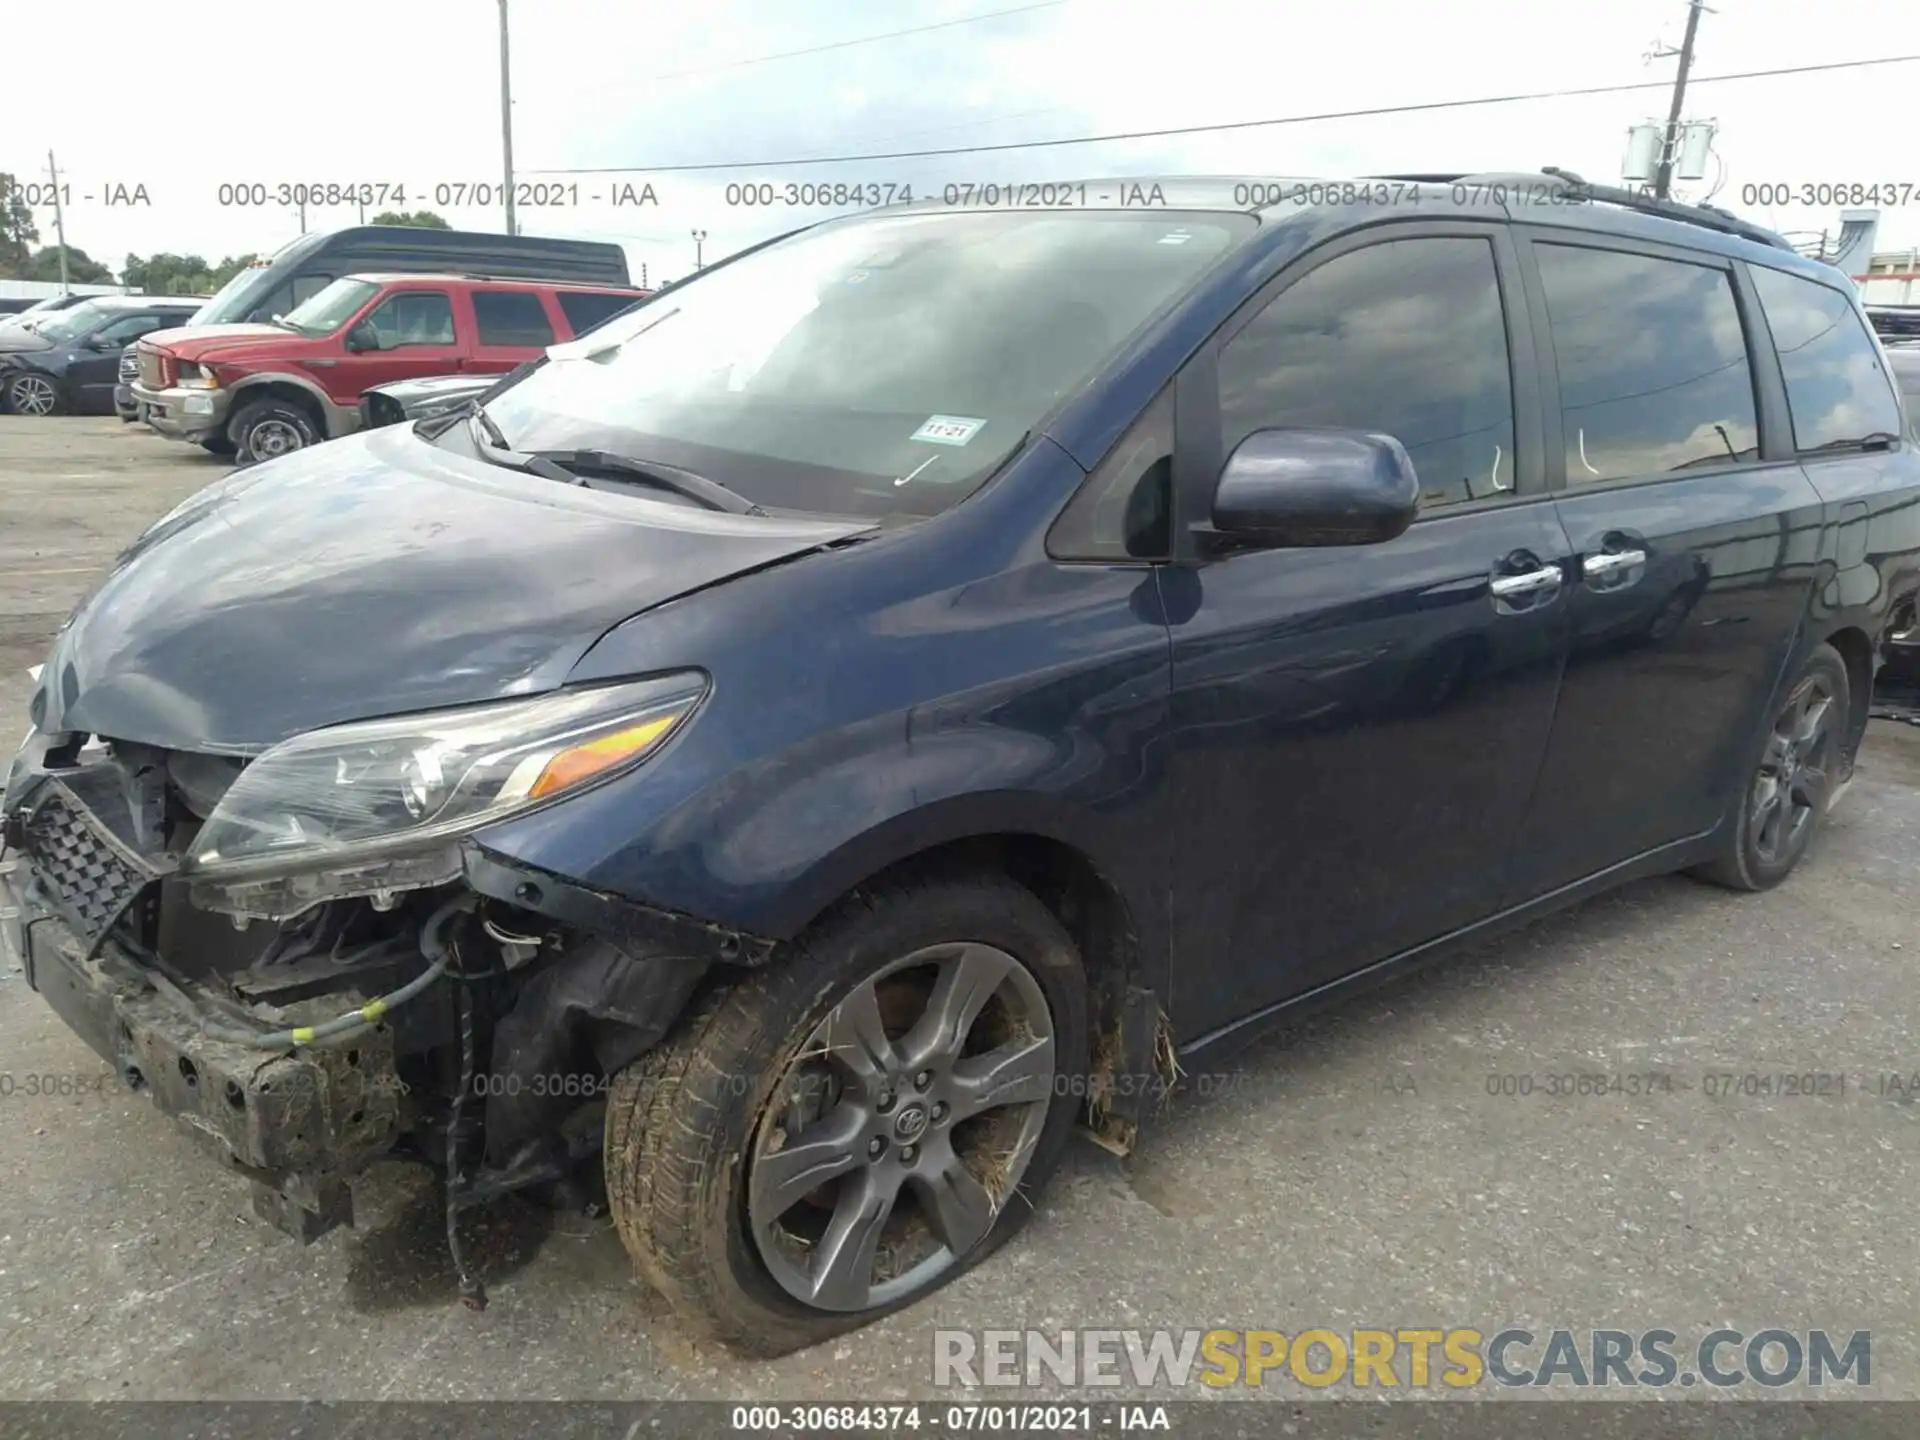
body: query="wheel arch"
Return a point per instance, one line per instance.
(283, 387)
(1133, 1054)
(1856, 649)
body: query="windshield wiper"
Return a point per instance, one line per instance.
(1878, 440)
(685, 483)
(492, 446)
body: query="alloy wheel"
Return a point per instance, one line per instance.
(31, 395)
(902, 1127)
(1796, 771)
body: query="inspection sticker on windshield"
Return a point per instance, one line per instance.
(947, 430)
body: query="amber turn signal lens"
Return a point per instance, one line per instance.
(581, 762)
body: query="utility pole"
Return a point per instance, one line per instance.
(699, 239)
(59, 223)
(1663, 177)
(506, 119)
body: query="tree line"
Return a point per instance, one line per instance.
(22, 257)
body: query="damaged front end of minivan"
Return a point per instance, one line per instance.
(307, 958)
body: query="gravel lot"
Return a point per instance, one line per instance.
(1355, 1172)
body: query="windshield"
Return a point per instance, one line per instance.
(72, 323)
(234, 299)
(870, 367)
(329, 309)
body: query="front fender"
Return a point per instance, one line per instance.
(872, 702)
(339, 419)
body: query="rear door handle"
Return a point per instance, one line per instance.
(1612, 563)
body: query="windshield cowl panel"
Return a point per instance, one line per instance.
(875, 367)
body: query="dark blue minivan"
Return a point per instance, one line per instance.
(919, 684)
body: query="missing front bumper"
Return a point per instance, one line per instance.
(296, 1124)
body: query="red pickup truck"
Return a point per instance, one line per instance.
(263, 390)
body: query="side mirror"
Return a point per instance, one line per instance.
(1308, 486)
(363, 337)
(102, 342)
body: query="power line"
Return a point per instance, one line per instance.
(832, 45)
(1430, 105)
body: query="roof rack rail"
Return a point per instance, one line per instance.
(1711, 217)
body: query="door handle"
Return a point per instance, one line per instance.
(1547, 577)
(1527, 591)
(1600, 567)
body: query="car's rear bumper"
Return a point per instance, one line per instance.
(297, 1124)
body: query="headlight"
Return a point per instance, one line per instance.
(354, 792)
(197, 377)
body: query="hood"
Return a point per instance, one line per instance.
(434, 387)
(19, 340)
(201, 343)
(371, 576)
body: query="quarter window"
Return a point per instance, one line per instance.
(511, 317)
(585, 309)
(1124, 510)
(1407, 338)
(1652, 364)
(1837, 392)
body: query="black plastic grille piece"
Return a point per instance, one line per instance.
(84, 875)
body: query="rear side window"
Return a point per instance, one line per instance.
(511, 317)
(1837, 393)
(585, 309)
(1405, 337)
(1652, 364)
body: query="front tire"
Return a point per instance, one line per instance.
(1788, 786)
(843, 1133)
(33, 394)
(268, 429)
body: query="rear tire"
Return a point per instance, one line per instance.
(864, 1055)
(268, 429)
(1785, 789)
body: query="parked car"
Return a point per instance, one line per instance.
(262, 391)
(406, 400)
(11, 305)
(70, 360)
(304, 267)
(927, 680)
(125, 406)
(1902, 650)
(420, 399)
(1895, 322)
(36, 311)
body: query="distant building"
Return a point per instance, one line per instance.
(42, 289)
(1892, 278)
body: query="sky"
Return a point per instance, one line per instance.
(406, 92)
